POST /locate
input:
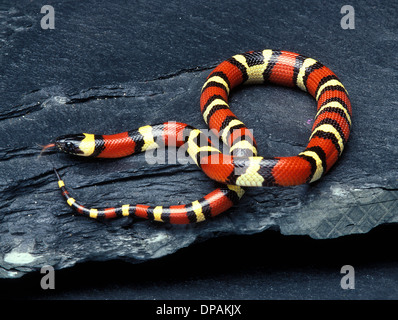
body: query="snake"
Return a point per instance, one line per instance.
(242, 166)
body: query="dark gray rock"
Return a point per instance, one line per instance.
(107, 68)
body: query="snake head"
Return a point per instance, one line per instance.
(70, 143)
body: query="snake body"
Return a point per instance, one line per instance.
(242, 167)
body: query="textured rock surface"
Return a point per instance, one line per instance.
(106, 68)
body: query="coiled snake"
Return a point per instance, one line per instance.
(242, 167)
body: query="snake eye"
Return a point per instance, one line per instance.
(69, 146)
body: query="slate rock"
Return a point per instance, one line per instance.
(107, 68)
